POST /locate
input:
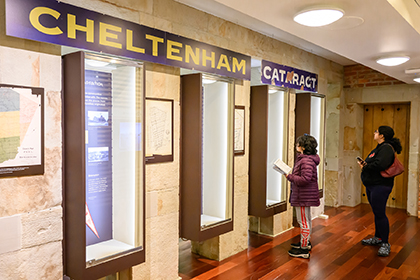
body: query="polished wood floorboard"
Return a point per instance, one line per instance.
(336, 254)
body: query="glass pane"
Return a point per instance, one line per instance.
(317, 131)
(276, 146)
(113, 121)
(217, 152)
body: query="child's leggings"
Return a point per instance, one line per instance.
(303, 216)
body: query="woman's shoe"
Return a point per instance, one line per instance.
(385, 250)
(374, 241)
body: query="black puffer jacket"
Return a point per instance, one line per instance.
(378, 160)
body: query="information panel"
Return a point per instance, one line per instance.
(98, 117)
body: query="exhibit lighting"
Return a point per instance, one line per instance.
(417, 80)
(270, 91)
(96, 63)
(318, 16)
(208, 81)
(392, 61)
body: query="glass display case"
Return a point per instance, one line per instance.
(310, 118)
(207, 117)
(268, 142)
(317, 130)
(104, 164)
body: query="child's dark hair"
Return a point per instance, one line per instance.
(307, 142)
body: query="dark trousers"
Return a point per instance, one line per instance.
(377, 197)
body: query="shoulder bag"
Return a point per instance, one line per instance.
(395, 169)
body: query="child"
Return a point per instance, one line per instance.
(304, 191)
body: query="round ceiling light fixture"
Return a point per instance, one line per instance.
(318, 16)
(417, 80)
(392, 61)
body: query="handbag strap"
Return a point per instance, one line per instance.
(391, 147)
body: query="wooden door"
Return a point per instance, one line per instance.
(396, 116)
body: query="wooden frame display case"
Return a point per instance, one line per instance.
(310, 118)
(207, 151)
(21, 130)
(104, 206)
(268, 142)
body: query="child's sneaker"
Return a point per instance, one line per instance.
(299, 253)
(297, 245)
(374, 241)
(385, 250)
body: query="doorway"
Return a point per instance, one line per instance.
(396, 116)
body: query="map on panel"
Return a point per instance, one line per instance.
(20, 129)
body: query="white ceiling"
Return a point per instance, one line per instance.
(369, 29)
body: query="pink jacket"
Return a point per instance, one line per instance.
(304, 178)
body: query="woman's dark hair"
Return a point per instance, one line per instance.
(307, 142)
(388, 134)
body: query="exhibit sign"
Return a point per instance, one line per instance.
(289, 77)
(63, 24)
(21, 131)
(159, 130)
(239, 141)
(98, 123)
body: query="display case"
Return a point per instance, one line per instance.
(310, 118)
(207, 151)
(103, 101)
(268, 142)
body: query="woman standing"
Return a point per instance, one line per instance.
(378, 188)
(304, 191)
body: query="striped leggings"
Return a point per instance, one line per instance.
(303, 216)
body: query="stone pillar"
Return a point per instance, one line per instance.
(30, 206)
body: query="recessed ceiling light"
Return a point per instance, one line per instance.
(392, 61)
(318, 17)
(417, 80)
(412, 71)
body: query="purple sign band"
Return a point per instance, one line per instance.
(63, 24)
(289, 77)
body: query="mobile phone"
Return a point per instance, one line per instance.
(361, 161)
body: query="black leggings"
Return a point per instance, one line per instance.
(377, 197)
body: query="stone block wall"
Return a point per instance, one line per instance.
(162, 187)
(355, 98)
(30, 207)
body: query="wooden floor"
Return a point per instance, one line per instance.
(336, 254)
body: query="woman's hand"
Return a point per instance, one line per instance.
(362, 164)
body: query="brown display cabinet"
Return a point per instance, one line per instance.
(310, 118)
(103, 170)
(207, 153)
(268, 142)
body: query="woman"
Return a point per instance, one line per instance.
(304, 191)
(378, 188)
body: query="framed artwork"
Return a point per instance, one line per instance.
(21, 130)
(159, 130)
(239, 130)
